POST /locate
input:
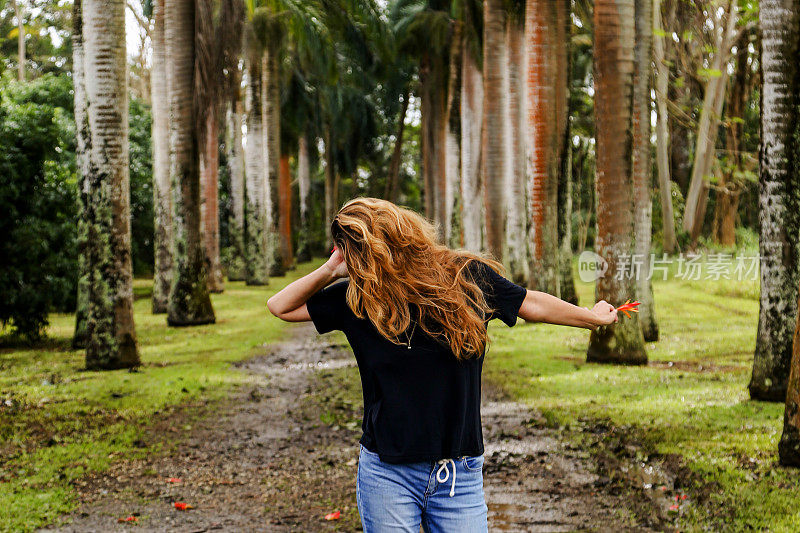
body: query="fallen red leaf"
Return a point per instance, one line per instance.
(182, 506)
(333, 516)
(174, 480)
(128, 519)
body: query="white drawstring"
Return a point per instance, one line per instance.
(443, 463)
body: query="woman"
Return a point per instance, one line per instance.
(415, 314)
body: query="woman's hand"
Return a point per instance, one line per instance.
(605, 312)
(336, 264)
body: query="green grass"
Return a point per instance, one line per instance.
(705, 416)
(64, 422)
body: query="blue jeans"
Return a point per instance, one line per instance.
(401, 497)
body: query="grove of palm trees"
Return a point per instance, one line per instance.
(166, 166)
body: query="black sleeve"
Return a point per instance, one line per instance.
(502, 295)
(328, 307)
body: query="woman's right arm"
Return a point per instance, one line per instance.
(289, 303)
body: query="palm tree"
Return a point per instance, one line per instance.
(304, 191)
(235, 161)
(285, 211)
(209, 207)
(270, 31)
(780, 126)
(778, 213)
(189, 300)
(219, 30)
(81, 133)
(255, 173)
(789, 445)
(267, 31)
(162, 197)
(495, 133)
(470, 194)
(642, 167)
(425, 29)
(614, 85)
(547, 129)
(450, 201)
(111, 337)
(517, 222)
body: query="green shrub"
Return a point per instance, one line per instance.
(38, 252)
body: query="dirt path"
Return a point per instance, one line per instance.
(281, 453)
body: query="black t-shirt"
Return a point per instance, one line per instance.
(420, 404)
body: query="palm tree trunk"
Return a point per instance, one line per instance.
(494, 136)
(256, 177)
(789, 445)
(642, 168)
(517, 223)
(209, 212)
(15, 4)
(111, 337)
(331, 186)
(779, 206)
(82, 135)
(189, 300)
(303, 189)
(452, 149)
(546, 127)
(433, 81)
(235, 157)
(697, 196)
(392, 191)
(614, 66)
(780, 123)
(670, 243)
(285, 217)
(563, 24)
(566, 280)
(162, 197)
(471, 190)
(426, 124)
(276, 262)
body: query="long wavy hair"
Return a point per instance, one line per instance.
(396, 264)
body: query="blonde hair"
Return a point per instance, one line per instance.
(395, 262)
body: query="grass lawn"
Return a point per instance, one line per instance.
(703, 414)
(59, 422)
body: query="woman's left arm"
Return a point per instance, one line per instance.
(542, 307)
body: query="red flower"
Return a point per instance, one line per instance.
(674, 507)
(333, 516)
(128, 519)
(182, 506)
(629, 306)
(174, 480)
